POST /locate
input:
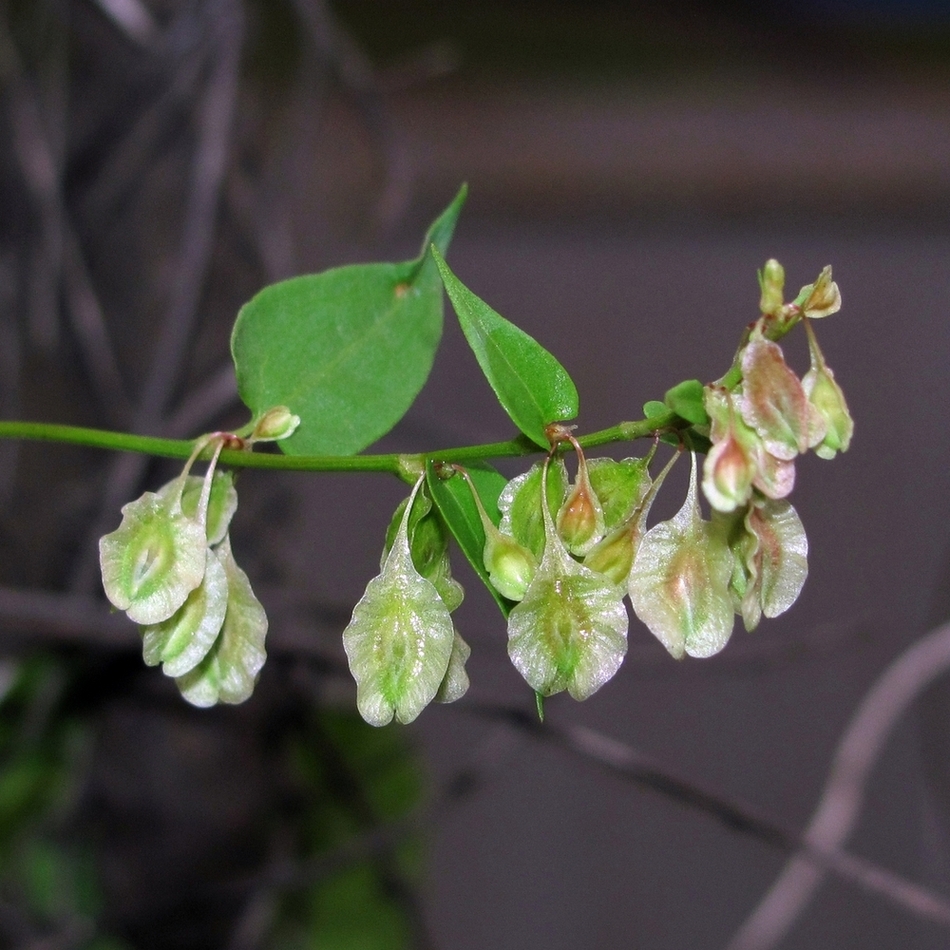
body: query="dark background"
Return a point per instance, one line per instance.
(630, 166)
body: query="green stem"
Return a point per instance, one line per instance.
(393, 463)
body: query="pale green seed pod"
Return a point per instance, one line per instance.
(429, 546)
(510, 566)
(774, 404)
(679, 584)
(612, 556)
(222, 501)
(455, 683)
(520, 504)
(229, 670)
(569, 632)
(184, 640)
(620, 486)
(154, 559)
(820, 299)
(400, 639)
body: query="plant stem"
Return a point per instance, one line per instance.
(395, 463)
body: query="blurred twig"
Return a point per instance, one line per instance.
(841, 801)
(822, 856)
(224, 19)
(358, 80)
(133, 18)
(63, 254)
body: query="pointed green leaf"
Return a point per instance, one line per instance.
(531, 385)
(656, 410)
(400, 638)
(686, 400)
(453, 498)
(229, 671)
(346, 350)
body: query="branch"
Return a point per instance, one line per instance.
(818, 854)
(843, 796)
(394, 463)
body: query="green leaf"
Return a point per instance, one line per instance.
(229, 671)
(531, 385)
(686, 400)
(453, 498)
(347, 350)
(655, 410)
(400, 638)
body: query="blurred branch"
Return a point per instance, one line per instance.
(132, 18)
(818, 855)
(62, 255)
(224, 19)
(376, 843)
(356, 75)
(204, 404)
(843, 797)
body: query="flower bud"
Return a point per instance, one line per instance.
(772, 283)
(820, 299)
(510, 565)
(826, 396)
(580, 519)
(728, 473)
(277, 423)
